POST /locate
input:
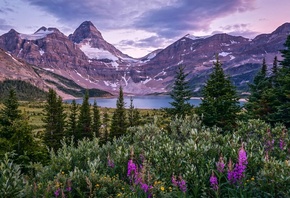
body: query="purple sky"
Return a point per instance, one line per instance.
(138, 27)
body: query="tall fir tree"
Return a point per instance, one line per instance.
(259, 101)
(72, 120)
(54, 119)
(220, 103)
(133, 115)
(105, 132)
(180, 94)
(8, 114)
(282, 89)
(96, 125)
(84, 126)
(119, 122)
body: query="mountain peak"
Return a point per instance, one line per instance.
(284, 28)
(85, 30)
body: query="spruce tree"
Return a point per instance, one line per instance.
(133, 115)
(54, 119)
(84, 125)
(282, 88)
(96, 125)
(105, 133)
(180, 94)
(259, 101)
(220, 103)
(9, 114)
(119, 120)
(72, 120)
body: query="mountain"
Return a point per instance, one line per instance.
(86, 59)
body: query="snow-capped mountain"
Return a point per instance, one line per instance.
(91, 62)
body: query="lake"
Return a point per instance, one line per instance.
(140, 102)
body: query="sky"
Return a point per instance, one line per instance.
(137, 27)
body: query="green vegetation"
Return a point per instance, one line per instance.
(24, 90)
(180, 94)
(220, 103)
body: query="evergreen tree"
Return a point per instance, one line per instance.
(133, 115)
(85, 121)
(96, 125)
(220, 104)
(180, 94)
(8, 114)
(119, 120)
(54, 119)
(105, 134)
(259, 102)
(72, 120)
(282, 89)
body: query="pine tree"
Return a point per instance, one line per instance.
(259, 102)
(282, 89)
(54, 119)
(133, 115)
(72, 120)
(96, 125)
(105, 134)
(9, 114)
(84, 125)
(220, 104)
(119, 120)
(180, 94)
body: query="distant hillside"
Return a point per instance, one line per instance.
(24, 90)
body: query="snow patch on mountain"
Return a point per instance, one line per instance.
(95, 53)
(37, 35)
(192, 37)
(41, 52)
(224, 53)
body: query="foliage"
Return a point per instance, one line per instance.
(281, 90)
(54, 119)
(180, 94)
(96, 124)
(72, 120)
(133, 115)
(24, 90)
(11, 179)
(84, 126)
(220, 105)
(119, 122)
(259, 101)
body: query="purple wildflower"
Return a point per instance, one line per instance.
(68, 189)
(220, 165)
(230, 172)
(213, 181)
(111, 163)
(182, 184)
(281, 144)
(56, 193)
(144, 187)
(131, 168)
(174, 181)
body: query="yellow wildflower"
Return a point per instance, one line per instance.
(62, 172)
(97, 185)
(252, 178)
(162, 188)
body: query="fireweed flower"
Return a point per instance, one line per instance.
(56, 193)
(174, 181)
(182, 184)
(220, 165)
(213, 181)
(238, 173)
(230, 175)
(131, 168)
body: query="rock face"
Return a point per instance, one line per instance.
(90, 61)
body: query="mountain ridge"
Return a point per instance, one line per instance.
(86, 58)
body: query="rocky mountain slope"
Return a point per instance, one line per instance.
(91, 62)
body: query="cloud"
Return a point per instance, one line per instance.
(4, 25)
(167, 18)
(238, 30)
(152, 42)
(185, 16)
